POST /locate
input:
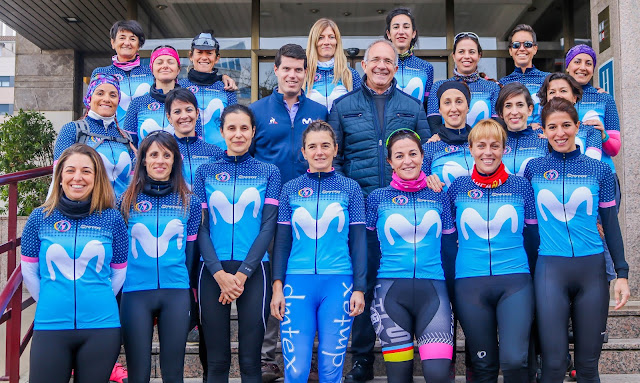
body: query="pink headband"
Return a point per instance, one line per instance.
(166, 51)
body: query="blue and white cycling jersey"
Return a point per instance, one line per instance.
(320, 207)
(533, 79)
(589, 140)
(410, 227)
(195, 152)
(145, 115)
(414, 77)
(521, 148)
(133, 83)
(600, 106)
(569, 188)
(490, 226)
(446, 161)
(118, 158)
(75, 258)
(212, 99)
(325, 91)
(235, 190)
(159, 228)
(484, 95)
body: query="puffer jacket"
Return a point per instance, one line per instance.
(361, 138)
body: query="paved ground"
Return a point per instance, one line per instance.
(459, 379)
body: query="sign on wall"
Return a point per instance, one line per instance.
(605, 76)
(604, 30)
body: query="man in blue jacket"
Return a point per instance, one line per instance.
(280, 120)
(282, 116)
(363, 119)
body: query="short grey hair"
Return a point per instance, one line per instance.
(382, 41)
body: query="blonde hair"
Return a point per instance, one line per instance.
(488, 128)
(102, 196)
(340, 68)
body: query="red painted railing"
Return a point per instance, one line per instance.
(11, 296)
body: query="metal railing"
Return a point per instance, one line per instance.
(11, 295)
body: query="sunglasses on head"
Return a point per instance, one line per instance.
(465, 34)
(527, 44)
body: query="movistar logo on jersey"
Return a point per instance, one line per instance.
(143, 206)
(62, 226)
(223, 177)
(194, 89)
(307, 121)
(316, 229)
(152, 246)
(479, 108)
(484, 229)
(550, 175)
(230, 212)
(409, 232)
(564, 212)
(115, 170)
(73, 269)
(451, 149)
(400, 200)
(452, 170)
(305, 192)
(475, 193)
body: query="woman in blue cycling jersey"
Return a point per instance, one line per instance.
(514, 107)
(182, 113)
(146, 113)
(588, 138)
(99, 129)
(240, 200)
(414, 75)
(127, 37)
(319, 272)
(329, 75)
(74, 261)
(466, 54)
(497, 235)
(571, 190)
(448, 158)
(410, 298)
(212, 93)
(595, 107)
(163, 217)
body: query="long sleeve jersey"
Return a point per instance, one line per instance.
(415, 77)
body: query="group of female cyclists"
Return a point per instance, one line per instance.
(492, 221)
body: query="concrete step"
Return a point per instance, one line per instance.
(619, 356)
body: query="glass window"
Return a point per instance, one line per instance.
(6, 108)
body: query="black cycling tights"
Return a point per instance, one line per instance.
(253, 311)
(137, 313)
(578, 287)
(492, 305)
(91, 353)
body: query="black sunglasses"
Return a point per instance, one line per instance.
(527, 44)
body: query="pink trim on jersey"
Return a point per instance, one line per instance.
(435, 351)
(371, 228)
(449, 231)
(357, 223)
(593, 148)
(118, 265)
(191, 238)
(271, 201)
(607, 204)
(531, 221)
(24, 258)
(204, 205)
(612, 146)
(285, 222)
(55, 162)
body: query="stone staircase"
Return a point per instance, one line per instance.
(620, 360)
